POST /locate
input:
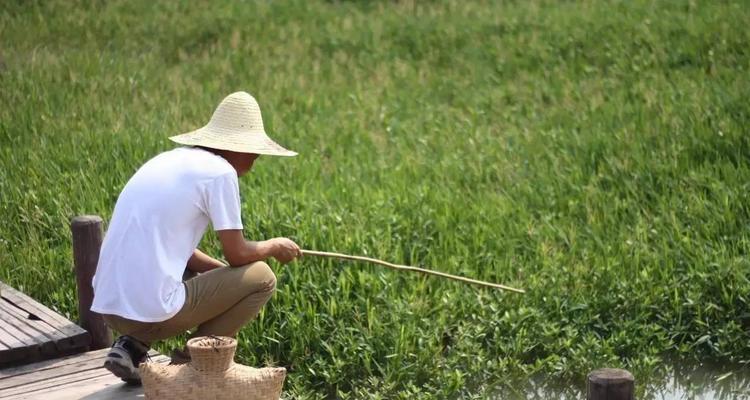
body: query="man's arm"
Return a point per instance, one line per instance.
(202, 262)
(239, 251)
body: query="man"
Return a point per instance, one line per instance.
(158, 221)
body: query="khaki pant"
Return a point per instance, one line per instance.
(218, 302)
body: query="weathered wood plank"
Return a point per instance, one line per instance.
(41, 311)
(8, 340)
(78, 376)
(48, 374)
(17, 347)
(26, 329)
(39, 325)
(30, 331)
(12, 336)
(17, 339)
(52, 383)
(51, 364)
(98, 388)
(75, 366)
(38, 345)
(14, 355)
(23, 301)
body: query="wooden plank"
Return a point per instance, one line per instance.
(78, 366)
(12, 356)
(76, 376)
(47, 374)
(39, 325)
(54, 343)
(15, 349)
(11, 336)
(8, 340)
(67, 338)
(52, 383)
(46, 365)
(55, 385)
(24, 345)
(38, 345)
(97, 388)
(28, 331)
(16, 338)
(27, 303)
(51, 364)
(31, 306)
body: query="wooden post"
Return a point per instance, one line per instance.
(87, 241)
(610, 384)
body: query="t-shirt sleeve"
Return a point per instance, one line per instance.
(223, 202)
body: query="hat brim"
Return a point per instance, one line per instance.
(244, 142)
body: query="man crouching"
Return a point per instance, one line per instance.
(158, 221)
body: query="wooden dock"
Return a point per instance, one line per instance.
(44, 356)
(74, 377)
(30, 331)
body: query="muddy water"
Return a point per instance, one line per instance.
(680, 381)
(689, 381)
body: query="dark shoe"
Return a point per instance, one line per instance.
(124, 357)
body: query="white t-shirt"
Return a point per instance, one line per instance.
(159, 219)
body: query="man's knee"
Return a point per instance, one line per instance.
(263, 274)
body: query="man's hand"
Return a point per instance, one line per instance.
(284, 250)
(239, 251)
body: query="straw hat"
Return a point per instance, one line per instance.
(235, 126)
(211, 374)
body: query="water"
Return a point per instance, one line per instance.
(679, 381)
(701, 382)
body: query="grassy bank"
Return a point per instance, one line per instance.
(594, 153)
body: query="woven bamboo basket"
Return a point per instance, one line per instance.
(211, 374)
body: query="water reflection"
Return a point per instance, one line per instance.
(689, 381)
(679, 381)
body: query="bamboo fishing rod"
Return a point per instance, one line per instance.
(409, 268)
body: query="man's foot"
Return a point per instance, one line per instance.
(124, 357)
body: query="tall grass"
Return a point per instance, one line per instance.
(594, 153)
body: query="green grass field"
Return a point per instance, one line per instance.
(593, 153)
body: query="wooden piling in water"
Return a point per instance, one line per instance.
(87, 241)
(610, 384)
